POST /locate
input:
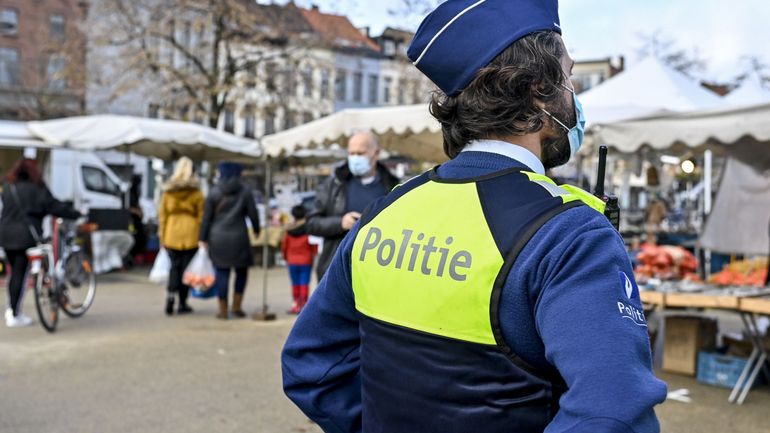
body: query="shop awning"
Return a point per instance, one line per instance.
(165, 139)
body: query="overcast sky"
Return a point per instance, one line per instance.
(722, 31)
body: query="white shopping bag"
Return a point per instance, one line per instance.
(161, 268)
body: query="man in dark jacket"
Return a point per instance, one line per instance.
(342, 197)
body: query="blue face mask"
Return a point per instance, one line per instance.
(574, 134)
(359, 165)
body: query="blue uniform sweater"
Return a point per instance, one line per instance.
(570, 301)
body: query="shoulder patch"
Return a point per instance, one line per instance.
(628, 301)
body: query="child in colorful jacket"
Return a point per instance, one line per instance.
(299, 255)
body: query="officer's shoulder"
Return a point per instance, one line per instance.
(578, 220)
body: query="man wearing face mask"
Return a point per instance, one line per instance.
(342, 197)
(481, 296)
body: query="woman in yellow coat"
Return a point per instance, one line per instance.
(180, 214)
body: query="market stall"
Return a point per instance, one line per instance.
(407, 130)
(164, 139)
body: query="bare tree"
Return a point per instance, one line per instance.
(195, 52)
(413, 9)
(658, 45)
(754, 66)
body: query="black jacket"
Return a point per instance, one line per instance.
(38, 202)
(224, 224)
(325, 219)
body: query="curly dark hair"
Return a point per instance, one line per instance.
(500, 101)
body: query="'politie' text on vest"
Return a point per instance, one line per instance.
(389, 249)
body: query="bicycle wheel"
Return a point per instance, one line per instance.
(46, 300)
(79, 285)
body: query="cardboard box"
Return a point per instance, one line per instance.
(684, 337)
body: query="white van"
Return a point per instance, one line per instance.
(83, 179)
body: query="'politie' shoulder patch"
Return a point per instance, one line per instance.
(626, 307)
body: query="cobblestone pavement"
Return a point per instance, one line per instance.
(126, 367)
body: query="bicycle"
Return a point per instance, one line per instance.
(63, 275)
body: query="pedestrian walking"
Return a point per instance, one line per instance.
(480, 295)
(26, 201)
(179, 216)
(299, 254)
(225, 234)
(342, 197)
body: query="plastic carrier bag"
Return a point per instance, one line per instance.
(200, 272)
(160, 268)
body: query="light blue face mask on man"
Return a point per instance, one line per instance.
(359, 165)
(574, 134)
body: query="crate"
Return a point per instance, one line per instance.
(719, 370)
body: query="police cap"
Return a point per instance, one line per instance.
(462, 36)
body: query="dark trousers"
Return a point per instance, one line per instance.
(18, 261)
(223, 281)
(179, 261)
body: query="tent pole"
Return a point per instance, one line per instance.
(707, 167)
(264, 314)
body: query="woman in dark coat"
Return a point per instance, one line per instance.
(26, 201)
(226, 236)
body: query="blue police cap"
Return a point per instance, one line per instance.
(462, 36)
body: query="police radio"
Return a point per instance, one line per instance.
(612, 208)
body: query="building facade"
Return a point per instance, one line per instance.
(325, 65)
(42, 58)
(590, 73)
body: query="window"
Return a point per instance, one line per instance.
(250, 72)
(55, 73)
(270, 70)
(374, 87)
(388, 82)
(58, 26)
(389, 48)
(307, 117)
(96, 180)
(358, 84)
(401, 93)
(153, 111)
(341, 85)
(289, 119)
(269, 123)
(249, 123)
(9, 21)
(9, 66)
(324, 83)
(307, 79)
(229, 120)
(183, 111)
(186, 42)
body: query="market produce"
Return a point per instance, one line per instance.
(665, 262)
(751, 272)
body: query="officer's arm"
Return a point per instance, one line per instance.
(321, 359)
(595, 334)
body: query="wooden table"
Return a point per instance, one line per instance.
(746, 306)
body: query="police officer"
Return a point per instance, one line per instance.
(481, 296)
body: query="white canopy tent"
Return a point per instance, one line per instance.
(744, 131)
(648, 88)
(407, 130)
(15, 134)
(164, 139)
